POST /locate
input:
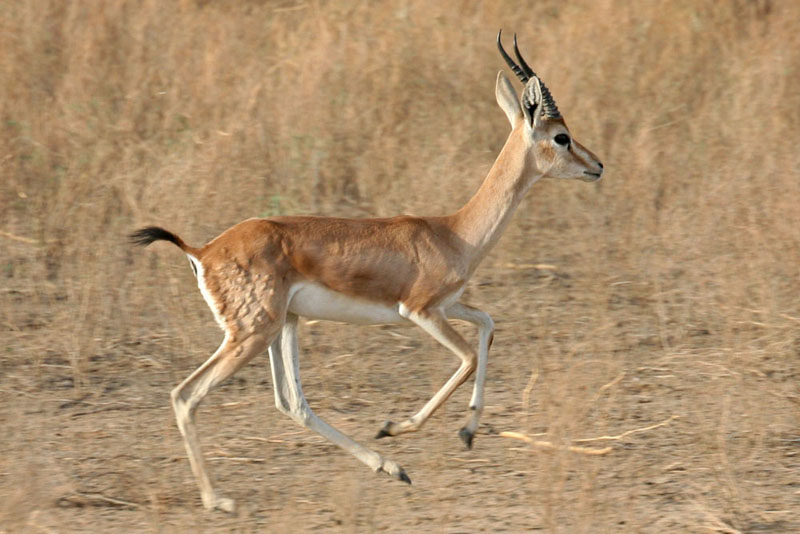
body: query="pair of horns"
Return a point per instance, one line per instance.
(525, 73)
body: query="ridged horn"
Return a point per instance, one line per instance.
(525, 74)
(549, 108)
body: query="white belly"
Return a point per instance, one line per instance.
(317, 302)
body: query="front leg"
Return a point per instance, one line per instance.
(434, 322)
(485, 326)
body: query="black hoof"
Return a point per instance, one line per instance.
(383, 432)
(395, 471)
(466, 436)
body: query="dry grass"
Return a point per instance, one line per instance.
(670, 289)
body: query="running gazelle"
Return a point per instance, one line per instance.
(260, 275)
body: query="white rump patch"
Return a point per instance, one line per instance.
(208, 297)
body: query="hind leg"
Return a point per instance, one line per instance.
(229, 358)
(290, 400)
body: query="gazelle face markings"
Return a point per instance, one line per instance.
(558, 155)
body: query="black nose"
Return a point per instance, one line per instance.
(601, 165)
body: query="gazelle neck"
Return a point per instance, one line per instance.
(482, 220)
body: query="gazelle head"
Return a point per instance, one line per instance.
(536, 118)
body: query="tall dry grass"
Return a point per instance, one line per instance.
(195, 115)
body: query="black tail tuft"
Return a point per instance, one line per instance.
(145, 236)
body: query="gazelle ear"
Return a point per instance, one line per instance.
(532, 102)
(507, 99)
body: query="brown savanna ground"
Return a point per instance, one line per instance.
(667, 293)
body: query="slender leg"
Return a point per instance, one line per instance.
(435, 323)
(290, 400)
(485, 337)
(228, 359)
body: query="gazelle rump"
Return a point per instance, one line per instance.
(260, 275)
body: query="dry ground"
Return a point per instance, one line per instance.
(663, 299)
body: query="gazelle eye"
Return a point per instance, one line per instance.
(562, 139)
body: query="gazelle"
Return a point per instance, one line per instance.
(260, 275)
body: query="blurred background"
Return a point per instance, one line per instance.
(666, 293)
